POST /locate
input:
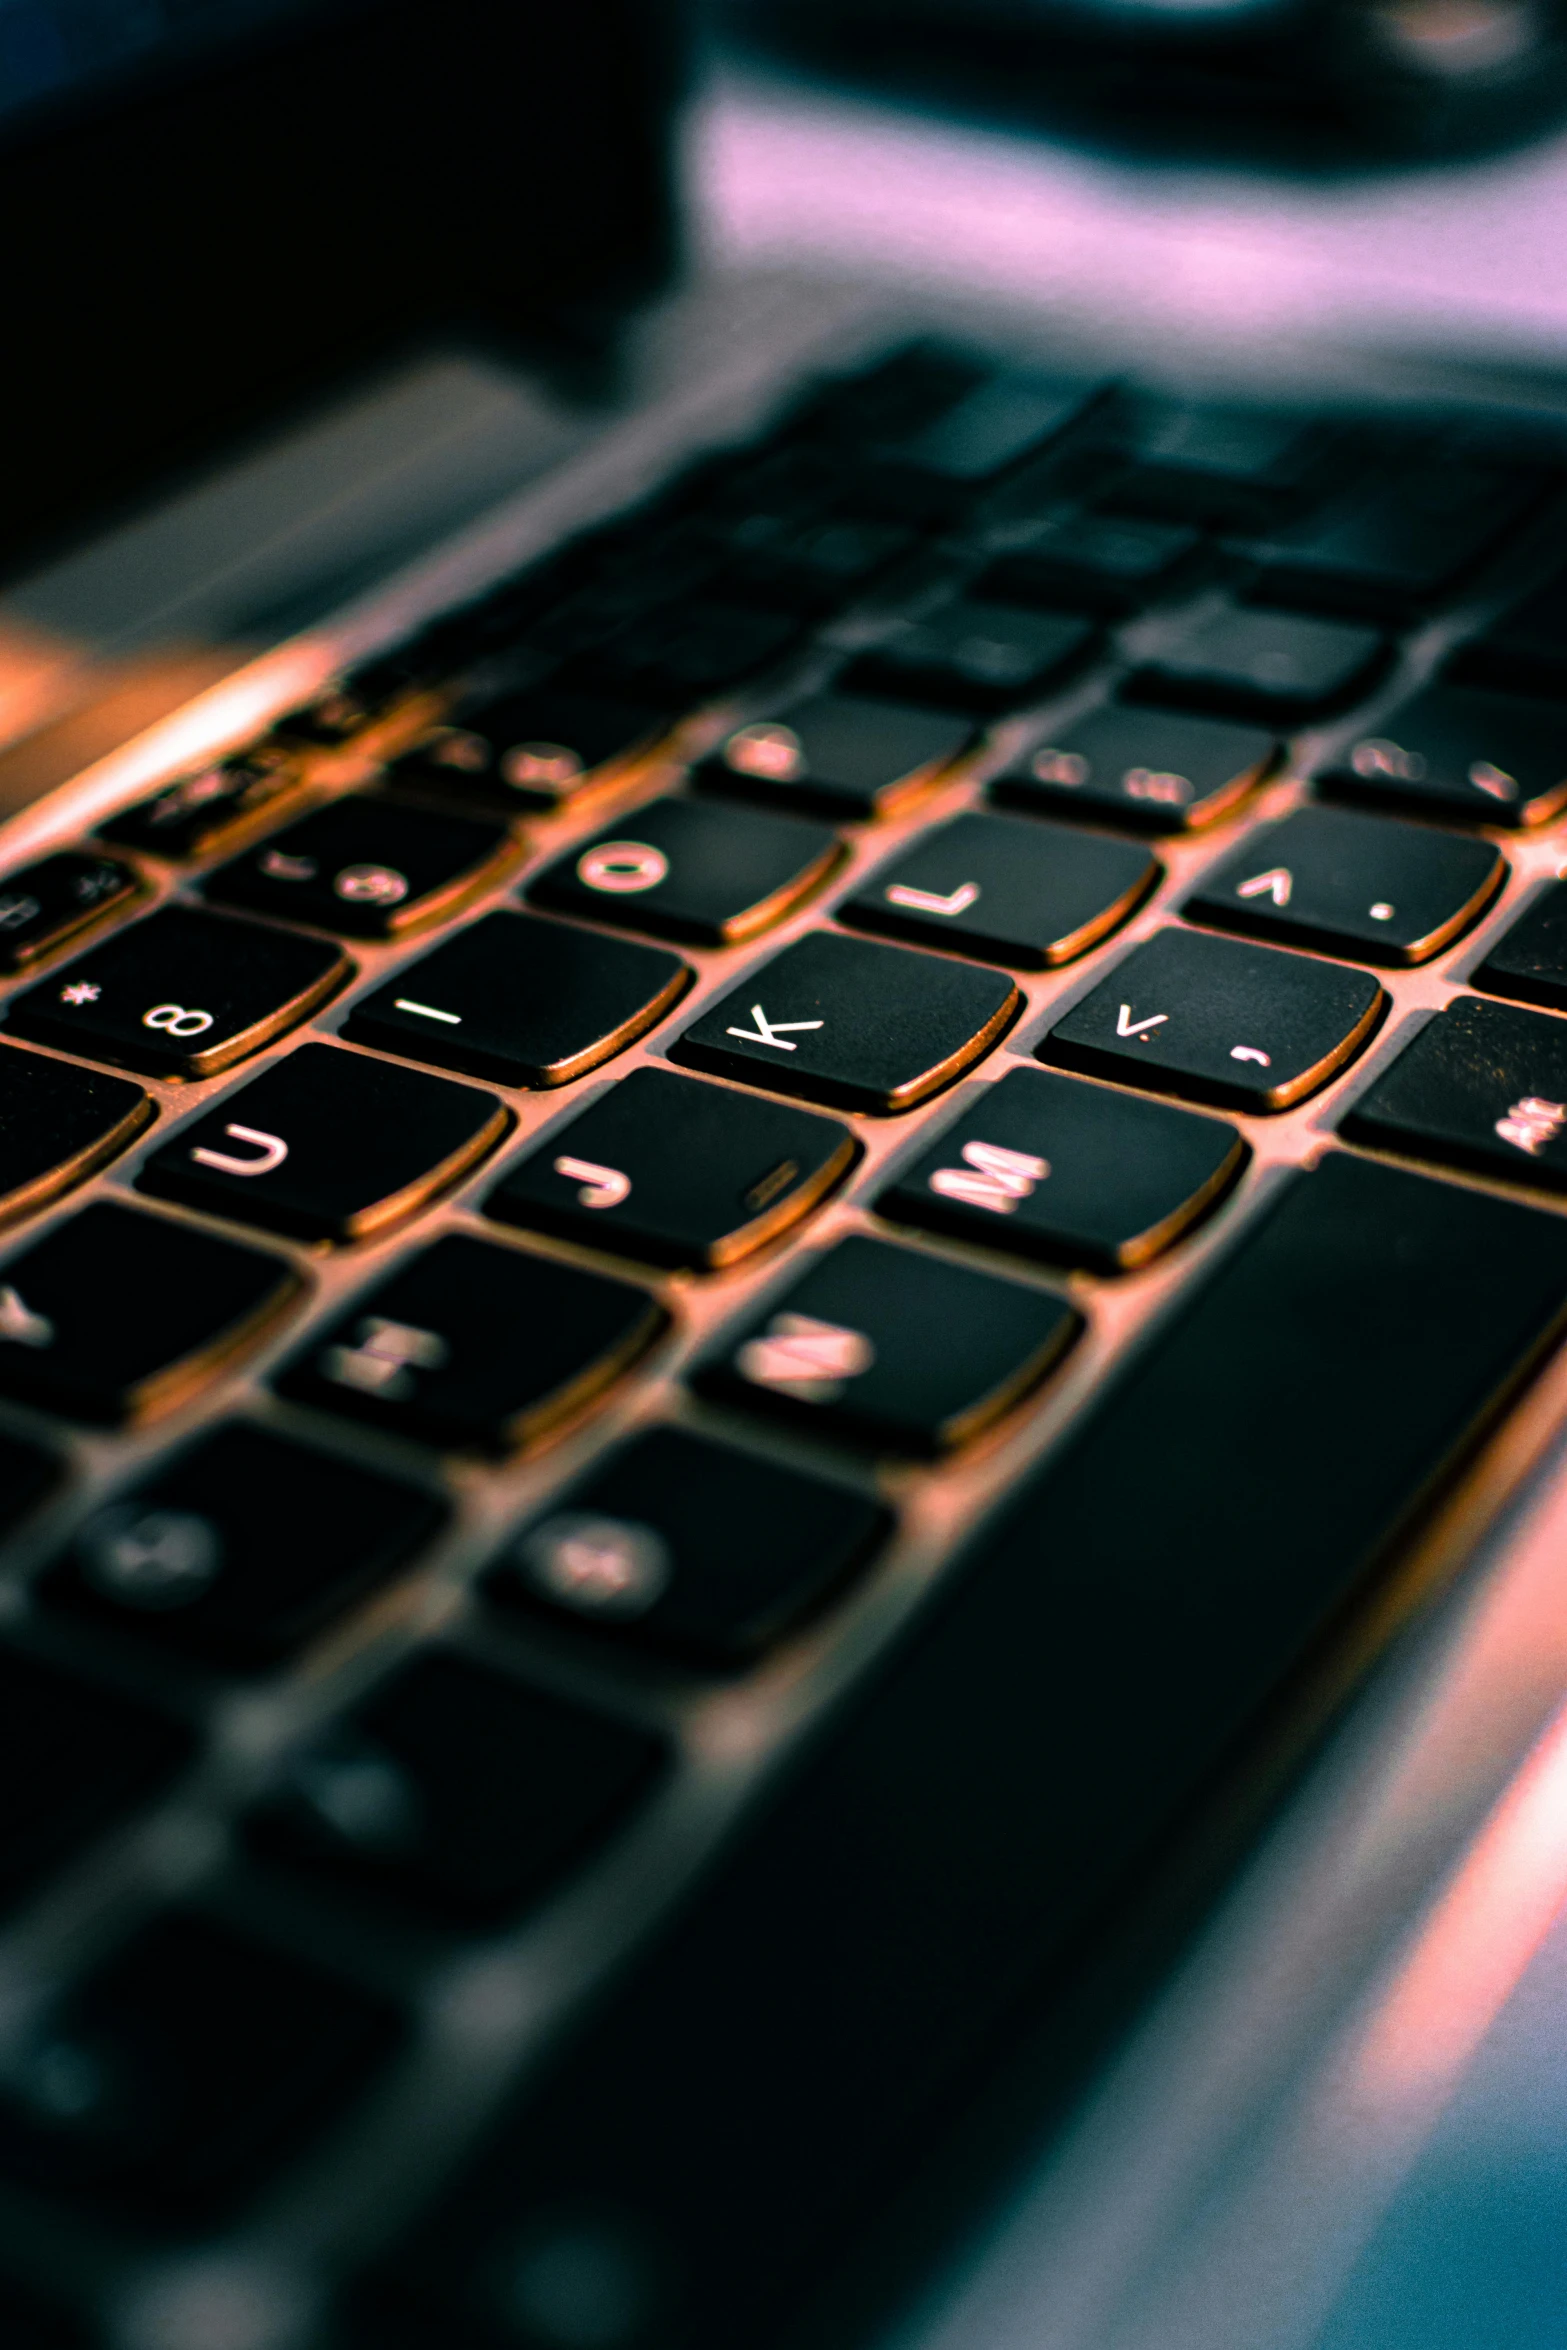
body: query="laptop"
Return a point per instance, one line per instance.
(781, 1119)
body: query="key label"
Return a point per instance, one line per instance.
(1382, 911)
(620, 868)
(1531, 1123)
(1251, 1052)
(1276, 884)
(929, 901)
(16, 913)
(771, 751)
(406, 1003)
(602, 1187)
(551, 765)
(384, 1355)
(175, 1020)
(1379, 756)
(1495, 780)
(371, 885)
(991, 1177)
(605, 1566)
(1162, 789)
(83, 992)
(20, 1324)
(278, 865)
(271, 1151)
(799, 1355)
(772, 1031)
(152, 1559)
(1068, 767)
(1125, 1025)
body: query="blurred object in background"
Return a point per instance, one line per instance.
(1303, 84)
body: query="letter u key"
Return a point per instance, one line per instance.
(272, 1150)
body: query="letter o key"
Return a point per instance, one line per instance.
(621, 867)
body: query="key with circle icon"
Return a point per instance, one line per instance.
(369, 868)
(182, 994)
(690, 869)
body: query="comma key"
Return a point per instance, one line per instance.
(183, 994)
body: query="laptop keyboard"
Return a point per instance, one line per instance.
(1061, 642)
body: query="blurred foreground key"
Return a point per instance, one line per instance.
(750, 2096)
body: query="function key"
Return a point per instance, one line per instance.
(1460, 751)
(848, 755)
(983, 657)
(1273, 666)
(183, 994)
(885, 1347)
(1529, 960)
(690, 1549)
(197, 812)
(690, 870)
(1222, 464)
(183, 2070)
(1350, 884)
(78, 1760)
(369, 868)
(676, 1173)
(328, 1145)
(521, 1001)
(1007, 892)
(241, 1548)
(1403, 545)
(543, 749)
(859, 1026)
(1248, 1027)
(45, 904)
(469, 1345)
(116, 1316)
(1482, 1086)
(1155, 769)
(1045, 1166)
(57, 1123)
(1524, 650)
(1107, 563)
(456, 1794)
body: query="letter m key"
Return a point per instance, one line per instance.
(991, 1177)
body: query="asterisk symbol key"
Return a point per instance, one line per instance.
(81, 993)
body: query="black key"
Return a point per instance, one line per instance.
(688, 653)
(115, 1315)
(533, 750)
(198, 812)
(1007, 892)
(845, 754)
(241, 1548)
(183, 994)
(883, 1347)
(57, 1123)
(676, 1173)
(689, 870)
(1115, 1631)
(173, 2080)
(1248, 1027)
(1462, 752)
(1155, 769)
(328, 1145)
(1107, 563)
(972, 656)
(690, 1549)
(1044, 1166)
(1237, 466)
(467, 1344)
(521, 1001)
(944, 464)
(811, 567)
(78, 1761)
(1356, 885)
(859, 1026)
(1274, 666)
(456, 1794)
(369, 868)
(1483, 1086)
(1529, 960)
(1402, 545)
(1524, 651)
(43, 905)
(26, 1475)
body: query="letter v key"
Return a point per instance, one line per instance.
(1127, 1026)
